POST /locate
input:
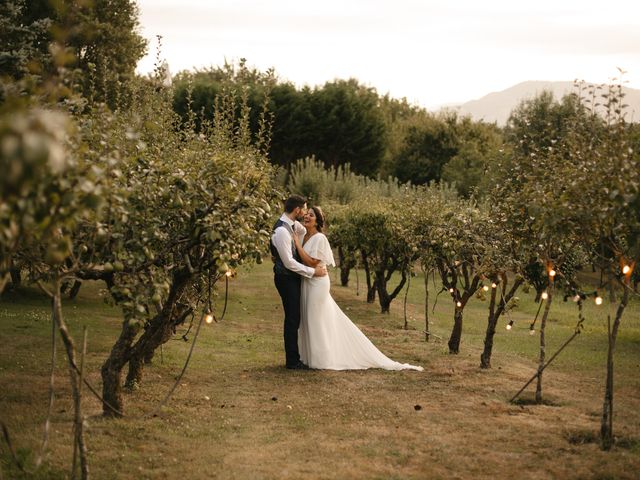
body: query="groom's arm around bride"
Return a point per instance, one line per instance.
(287, 272)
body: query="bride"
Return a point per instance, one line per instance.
(327, 339)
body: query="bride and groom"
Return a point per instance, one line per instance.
(317, 334)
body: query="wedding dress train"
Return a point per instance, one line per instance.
(327, 339)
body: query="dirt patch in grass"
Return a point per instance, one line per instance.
(239, 414)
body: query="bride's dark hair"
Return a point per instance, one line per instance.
(320, 221)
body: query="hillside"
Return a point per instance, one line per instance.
(496, 106)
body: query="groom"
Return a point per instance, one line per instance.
(287, 269)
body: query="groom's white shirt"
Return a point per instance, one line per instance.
(282, 241)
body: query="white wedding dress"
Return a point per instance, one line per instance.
(327, 339)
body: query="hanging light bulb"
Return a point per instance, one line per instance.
(485, 288)
(598, 300)
(509, 325)
(229, 273)
(626, 269)
(451, 290)
(552, 273)
(532, 331)
(494, 285)
(458, 304)
(576, 298)
(208, 317)
(545, 295)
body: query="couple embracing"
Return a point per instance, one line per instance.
(317, 334)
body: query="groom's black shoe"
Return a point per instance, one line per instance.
(298, 366)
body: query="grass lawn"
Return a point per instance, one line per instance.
(239, 414)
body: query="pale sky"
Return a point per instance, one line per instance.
(432, 52)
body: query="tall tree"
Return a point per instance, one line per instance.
(430, 142)
(99, 37)
(24, 37)
(481, 148)
(349, 126)
(338, 123)
(538, 124)
(105, 42)
(398, 116)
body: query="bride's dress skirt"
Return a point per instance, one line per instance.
(327, 339)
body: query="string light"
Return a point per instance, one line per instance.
(626, 269)
(229, 273)
(494, 285)
(545, 295)
(458, 304)
(552, 273)
(598, 300)
(451, 290)
(509, 325)
(532, 330)
(208, 318)
(576, 298)
(485, 288)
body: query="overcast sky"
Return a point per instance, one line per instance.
(432, 52)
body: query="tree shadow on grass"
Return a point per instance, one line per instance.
(529, 401)
(585, 437)
(582, 437)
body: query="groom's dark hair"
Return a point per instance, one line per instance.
(293, 202)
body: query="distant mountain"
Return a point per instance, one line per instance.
(497, 106)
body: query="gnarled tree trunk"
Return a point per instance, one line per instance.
(112, 371)
(125, 351)
(470, 283)
(384, 297)
(159, 332)
(346, 264)
(494, 315)
(371, 283)
(456, 332)
(485, 357)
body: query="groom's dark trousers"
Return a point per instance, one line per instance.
(288, 287)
